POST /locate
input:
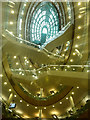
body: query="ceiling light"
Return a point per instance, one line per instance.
(5, 83)
(66, 98)
(68, 66)
(73, 68)
(53, 106)
(14, 57)
(19, 68)
(79, 16)
(35, 107)
(48, 55)
(60, 102)
(71, 60)
(25, 57)
(79, 27)
(20, 100)
(78, 37)
(88, 71)
(60, 84)
(12, 11)
(38, 71)
(15, 96)
(24, 4)
(11, 23)
(77, 87)
(79, 3)
(66, 44)
(74, 53)
(72, 93)
(27, 61)
(62, 54)
(9, 90)
(20, 73)
(45, 108)
(76, 46)
(30, 65)
(17, 63)
(1, 75)
(69, 17)
(48, 68)
(21, 42)
(27, 104)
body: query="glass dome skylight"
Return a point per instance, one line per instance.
(44, 23)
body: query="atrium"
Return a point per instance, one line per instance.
(44, 66)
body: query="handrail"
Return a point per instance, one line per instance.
(20, 40)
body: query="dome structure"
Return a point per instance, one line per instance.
(45, 57)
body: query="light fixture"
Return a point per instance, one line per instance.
(79, 27)
(76, 46)
(24, 4)
(25, 57)
(5, 83)
(63, 55)
(17, 63)
(60, 84)
(20, 100)
(35, 107)
(74, 53)
(53, 106)
(66, 98)
(88, 71)
(19, 68)
(15, 96)
(68, 66)
(79, 3)
(12, 11)
(79, 16)
(78, 37)
(48, 68)
(48, 55)
(1, 75)
(72, 93)
(20, 73)
(27, 104)
(60, 102)
(14, 57)
(69, 17)
(65, 69)
(38, 71)
(66, 44)
(27, 61)
(77, 87)
(30, 65)
(71, 60)
(21, 42)
(45, 108)
(73, 68)
(9, 90)
(11, 23)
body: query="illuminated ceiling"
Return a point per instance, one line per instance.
(29, 68)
